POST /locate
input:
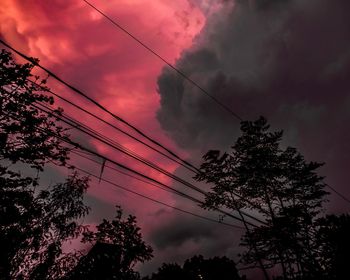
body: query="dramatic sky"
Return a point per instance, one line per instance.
(288, 60)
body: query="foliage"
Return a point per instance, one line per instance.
(171, 271)
(124, 235)
(198, 268)
(333, 246)
(280, 186)
(34, 221)
(27, 135)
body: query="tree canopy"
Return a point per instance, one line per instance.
(258, 175)
(125, 237)
(198, 268)
(35, 219)
(278, 185)
(332, 246)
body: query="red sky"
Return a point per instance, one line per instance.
(74, 41)
(83, 48)
(258, 52)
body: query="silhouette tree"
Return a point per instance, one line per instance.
(198, 268)
(117, 243)
(332, 245)
(34, 221)
(26, 133)
(278, 185)
(171, 271)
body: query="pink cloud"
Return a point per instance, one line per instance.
(78, 44)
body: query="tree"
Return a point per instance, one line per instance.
(171, 271)
(210, 269)
(123, 235)
(280, 186)
(332, 245)
(198, 268)
(27, 135)
(34, 220)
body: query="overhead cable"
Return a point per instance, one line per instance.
(177, 70)
(93, 101)
(76, 125)
(155, 200)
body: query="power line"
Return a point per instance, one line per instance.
(190, 185)
(339, 194)
(154, 180)
(126, 189)
(96, 135)
(117, 117)
(192, 168)
(144, 196)
(178, 179)
(77, 145)
(119, 171)
(188, 166)
(106, 110)
(135, 156)
(181, 180)
(124, 173)
(139, 179)
(155, 200)
(182, 74)
(74, 89)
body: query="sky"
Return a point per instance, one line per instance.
(288, 60)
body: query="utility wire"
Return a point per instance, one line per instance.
(135, 156)
(145, 196)
(119, 171)
(150, 164)
(192, 168)
(155, 200)
(186, 183)
(144, 181)
(339, 194)
(96, 135)
(149, 183)
(182, 74)
(124, 173)
(115, 116)
(181, 162)
(151, 179)
(178, 71)
(74, 89)
(34, 62)
(77, 145)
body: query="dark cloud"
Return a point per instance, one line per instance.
(179, 237)
(288, 60)
(178, 230)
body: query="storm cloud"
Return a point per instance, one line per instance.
(288, 60)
